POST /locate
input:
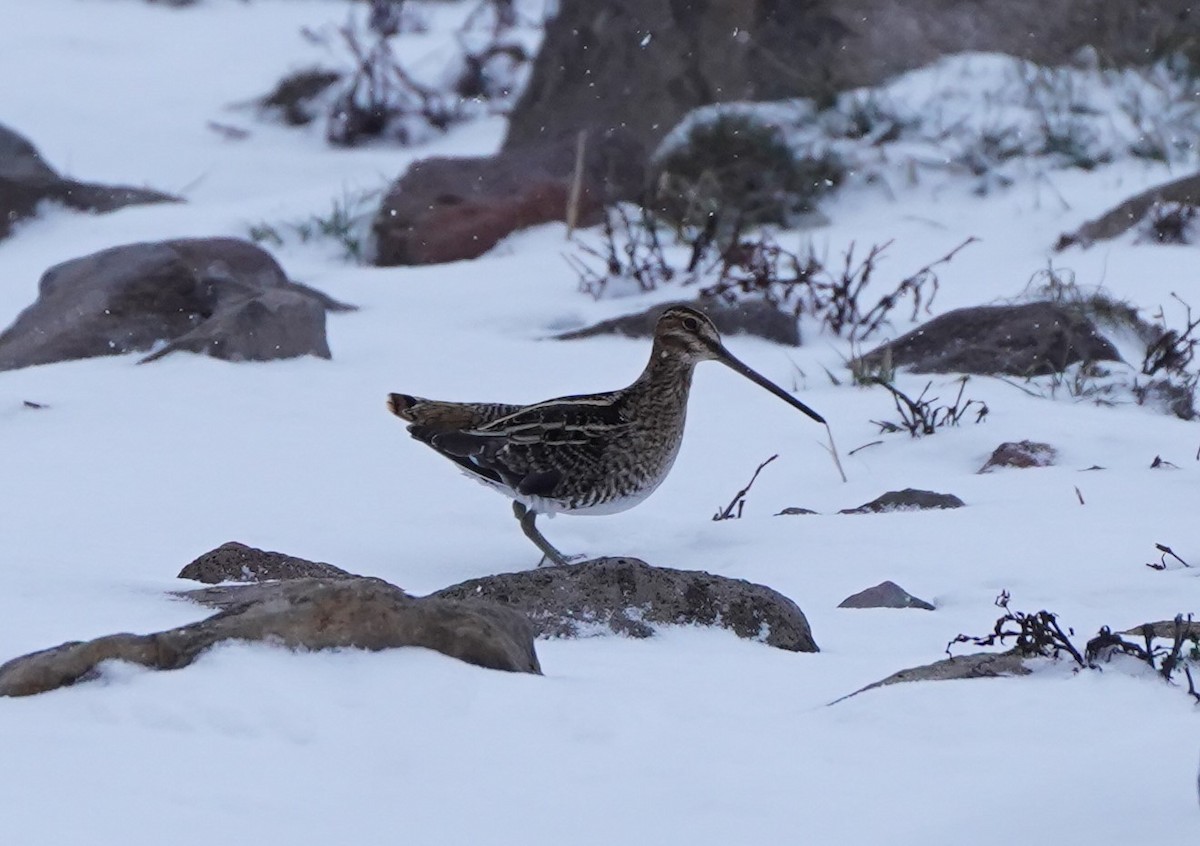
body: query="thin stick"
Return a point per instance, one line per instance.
(833, 451)
(576, 192)
(864, 446)
(1080, 495)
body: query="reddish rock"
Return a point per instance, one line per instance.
(450, 209)
(1020, 454)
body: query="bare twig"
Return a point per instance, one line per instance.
(1163, 563)
(739, 499)
(576, 184)
(864, 446)
(833, 451)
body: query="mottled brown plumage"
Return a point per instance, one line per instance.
(587, 454)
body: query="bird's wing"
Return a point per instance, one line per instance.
(533, 450)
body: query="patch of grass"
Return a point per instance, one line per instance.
(923, 416)
(840, 296)
(741, 170)
(346, 223)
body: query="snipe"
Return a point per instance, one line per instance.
(588, 454)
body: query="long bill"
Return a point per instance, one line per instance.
(726, 358)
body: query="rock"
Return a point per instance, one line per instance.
(1126, 215)
(981, 665)
(1165, 629)
(1020, 454)
(749, 317)
(1031, 339)
(885, 595)
(795, 510)
(909, 499)
(223, 297)
(300, 614)
(451, 209)
(644, 64)
(27, 181)
(628, 596)
(236, 562)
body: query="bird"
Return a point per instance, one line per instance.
(586, 454)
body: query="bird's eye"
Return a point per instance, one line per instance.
(691, 324)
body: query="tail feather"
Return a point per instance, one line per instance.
(402, 405)
(445, 416)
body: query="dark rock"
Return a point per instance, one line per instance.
(982, 665)
(795, 510)
(296, 99)
(644, 64)
(630, 597)
(220, 296)
(885, 595)
(1165, 629)
(236, 562)
(26, 181)
(1020, 454)
(450, 209)
(1131, 212)
(748, 317)
(1031, 339)
(300, 614)
(909, 499)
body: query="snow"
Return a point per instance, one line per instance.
(690, 737)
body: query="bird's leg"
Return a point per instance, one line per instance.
(527, 516)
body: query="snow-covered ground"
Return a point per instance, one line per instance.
(692, 737)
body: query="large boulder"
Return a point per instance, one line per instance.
(26, 181)
(223, 297)
(643, 64)
(634, 69)
(301, 614)
(628, 596)
(451, 209)
(886, 594)
(1031, 339)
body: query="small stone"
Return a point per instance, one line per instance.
(981, 665)
(1020, 454)
(236, 562)
(885, 595)
(909, 499)
(795, 510)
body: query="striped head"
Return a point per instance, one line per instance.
(688, 334)
(684, 335)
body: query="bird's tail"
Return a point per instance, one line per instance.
(438, 416)
(402, 405)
